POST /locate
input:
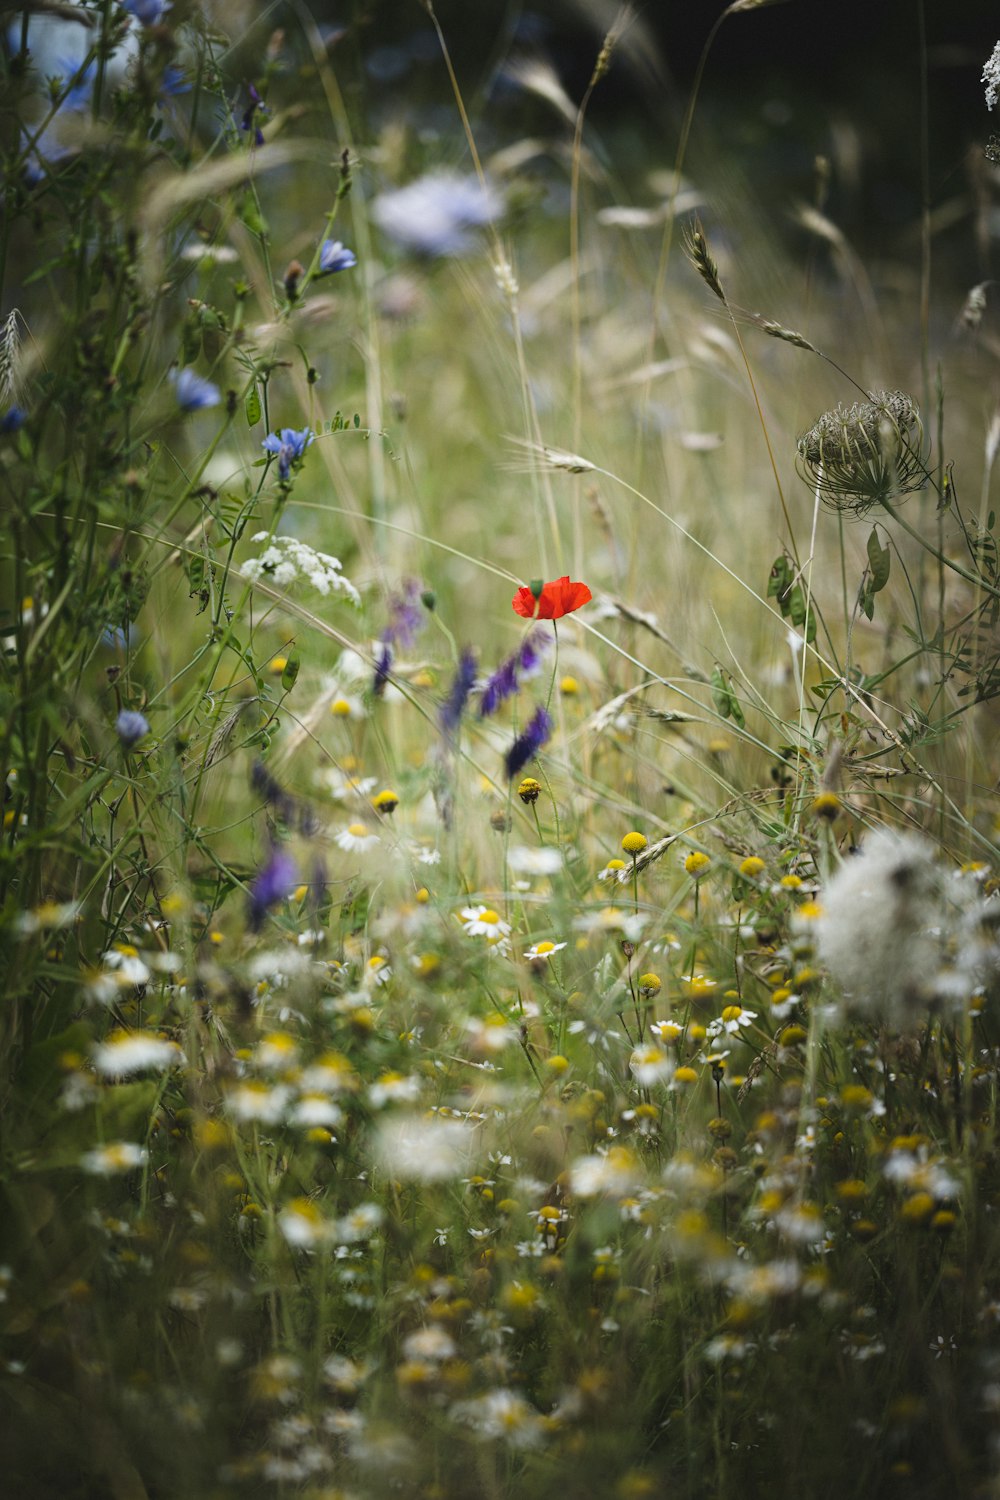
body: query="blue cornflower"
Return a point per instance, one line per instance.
(13, 420)
(274, 882)
(193, 392)
(528, 744)
(256, 106)
(454, 705)
(42, 151)
(131, 727)
(173, 82)
(333, 256)
(289, 445)
(504, 682)
(77, 97)
(148, 12)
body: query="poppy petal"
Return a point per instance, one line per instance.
(561, 597)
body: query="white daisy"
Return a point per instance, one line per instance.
(356, 838)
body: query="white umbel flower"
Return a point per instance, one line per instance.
(991, 77)
(285, 559)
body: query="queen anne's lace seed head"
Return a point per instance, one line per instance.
(860, 455)
(900, 933)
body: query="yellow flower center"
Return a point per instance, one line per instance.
(634, 843)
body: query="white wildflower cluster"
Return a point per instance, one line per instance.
(991, 77)
(899, 932)
(417, 1148)
(285, 560)
(304, 1227)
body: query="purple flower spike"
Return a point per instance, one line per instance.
(275, 881)
(405, 619)
(503, 684)
(528, 744)
(382, 666)
(505, 680)
(406, 616)
(533, 648)
(453, 706)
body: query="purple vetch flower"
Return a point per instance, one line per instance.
(333, 256)
(248, 122)
(275, 881)
(454, 705)
(131, 727)
(193, 392)
(289, 445)
(528, 744)
(504, 682)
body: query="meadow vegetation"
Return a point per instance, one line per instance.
(499, 888)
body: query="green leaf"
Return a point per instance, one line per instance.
(253, 407)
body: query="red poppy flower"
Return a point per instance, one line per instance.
(553, 601)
